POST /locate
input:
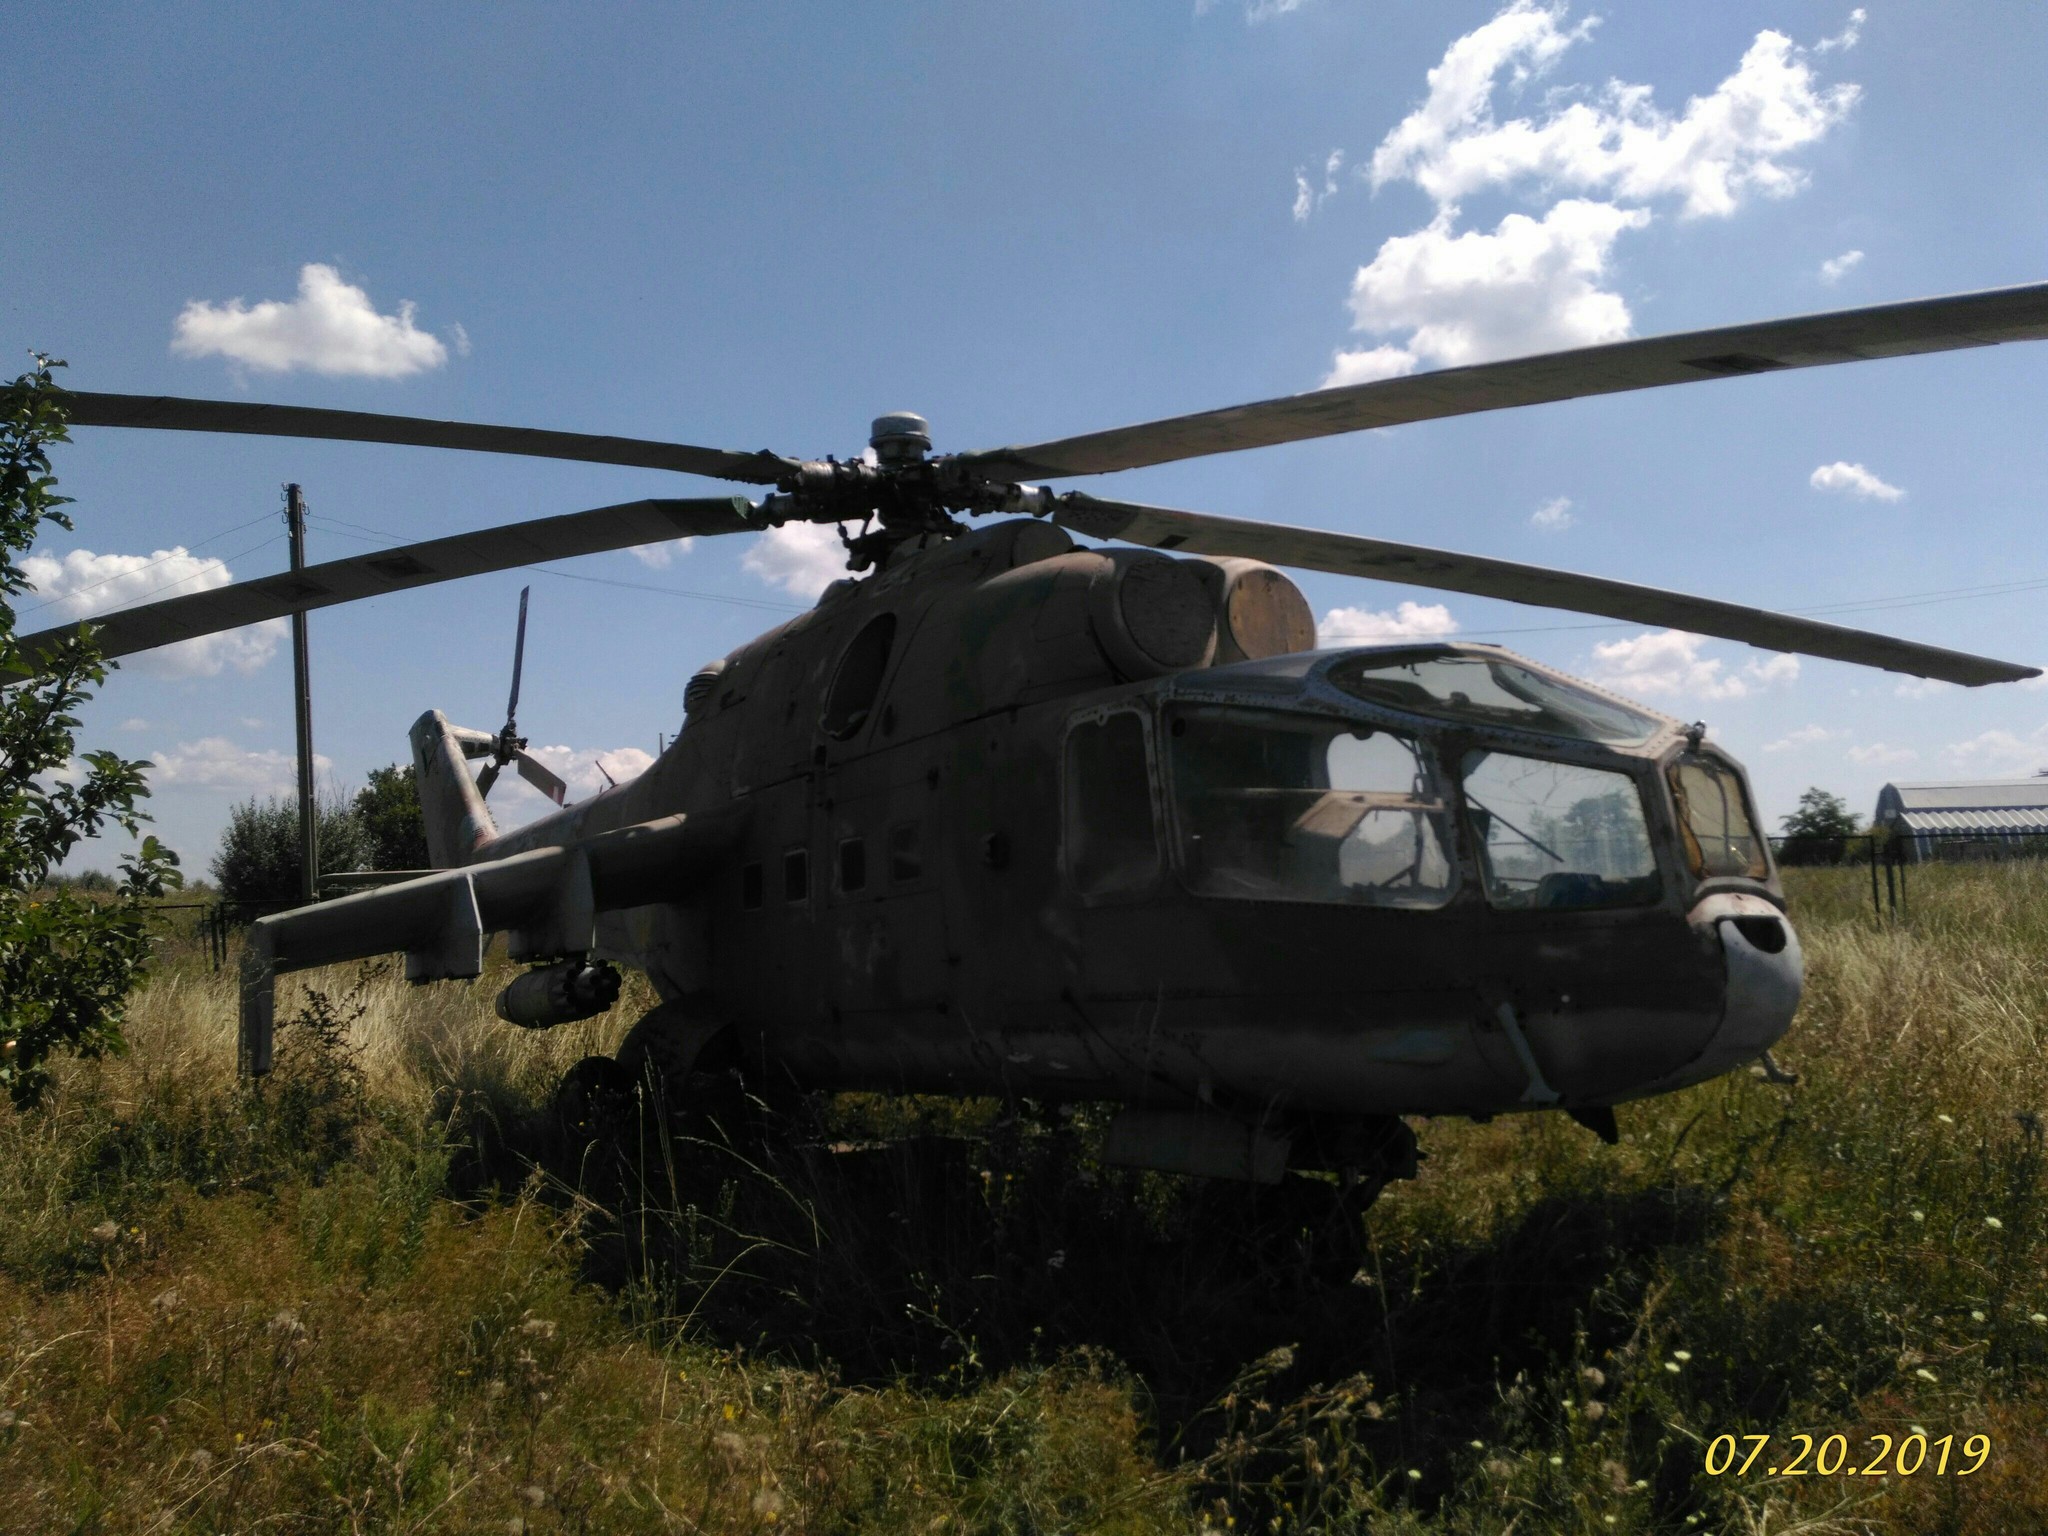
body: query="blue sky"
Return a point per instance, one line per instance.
(1026, 221)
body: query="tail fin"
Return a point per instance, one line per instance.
(458, 825)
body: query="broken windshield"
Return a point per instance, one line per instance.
(1490, 690)
(1295, 808)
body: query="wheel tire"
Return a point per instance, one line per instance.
(591, 1096)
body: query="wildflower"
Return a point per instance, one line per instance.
(1918, 1430)
(1672, 1366)
(1925, 1374)
(1557, 1461)
(538, 1327)
(1976, 1316)
(1478, 1445)
(1595, 1411)
(1500, 1469)
(1681, 1354)
(2038, 1318)
(1994, 1223)
(1414, 1475)
(534, 1494)
(1608, 1518)
(1594, 1377)
(728, 1413)
(201, 1460)
(105, 1233)
(1917, 1215)
(1640, 1484)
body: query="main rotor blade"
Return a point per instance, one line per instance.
(411, 565)
(1885, 330)
(167, 413)
(1349, 555)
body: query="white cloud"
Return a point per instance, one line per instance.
(1921, 688)
(1539, 283)
(83, 584)
(1723, 146)
(214, 762)
(1307, 197)
(1668, 663)
(1805, 736)
(2001, 754)
(1853, 480)
(135, 723)
(1835, 267)
(1879, 755)
(658, 557)
(331, 327)
(801, 558)
(2034, 684)
(1848, 37)
(1554, 516)
(1532, 285)
(1366, 626)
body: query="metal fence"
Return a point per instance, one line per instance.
(1888, 855)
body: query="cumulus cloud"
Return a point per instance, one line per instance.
(658, 557)
(331, 327)
(2001, 754)
(1667, 663)
(82, 584)
(1805, 736)
(214, 762)
(1554, 516)
(1536, 284)
(1835, 267)
(1853, 480)
(1366, 626)
(1848, 37)
(135, 723)
(801, 558)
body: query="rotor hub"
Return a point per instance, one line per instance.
(901, 437)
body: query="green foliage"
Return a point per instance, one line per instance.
(66, 962)
(258, 860)
(388, 810)
(1819, 831)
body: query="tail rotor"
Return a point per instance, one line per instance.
(508, 746)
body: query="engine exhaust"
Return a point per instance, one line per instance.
(559, 994)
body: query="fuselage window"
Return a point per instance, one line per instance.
(1281, 807)
(1112, 846)
(1557, 836)
(750, 887)
(906, 854)
(858, 678)
(1714, 820)
(796, 875)
(853, 865)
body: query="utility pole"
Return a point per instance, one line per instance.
(302, 689)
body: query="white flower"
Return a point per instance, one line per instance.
(1681, 1354)
(1994, 1223)
(1672, 1366)
(1926, 1375)
(1976, 1316)
(1946, 1119)
(1917, 1215)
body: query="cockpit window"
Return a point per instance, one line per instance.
(1558, 836)
(1111, 847)
(1292, 808)
(1714, 820)
(1490, 690)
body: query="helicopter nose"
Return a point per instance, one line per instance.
(1765, 973)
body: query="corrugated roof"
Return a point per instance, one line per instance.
(2005, 822)
(1980, 795)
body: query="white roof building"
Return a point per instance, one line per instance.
(1984, 808)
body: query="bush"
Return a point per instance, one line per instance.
(258, 862)
(388, 809)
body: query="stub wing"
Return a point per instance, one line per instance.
(546, 899)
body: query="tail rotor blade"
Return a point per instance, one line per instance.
(518, 662)
(485, 780)
(542, 777)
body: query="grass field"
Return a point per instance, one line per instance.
(377, 1295)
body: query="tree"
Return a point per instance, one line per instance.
(1819, 831)
(67, 961)
(388, 809)
(258, 862)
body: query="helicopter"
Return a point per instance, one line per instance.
(1007, 814)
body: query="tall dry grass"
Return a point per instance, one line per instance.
(960, 1319)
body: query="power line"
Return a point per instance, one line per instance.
(185, 550)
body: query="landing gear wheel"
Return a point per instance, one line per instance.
(591, 1097)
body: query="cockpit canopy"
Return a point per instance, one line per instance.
(1496, 690)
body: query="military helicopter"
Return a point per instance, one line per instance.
(1007, 815)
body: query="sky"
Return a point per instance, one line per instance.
(760, 229)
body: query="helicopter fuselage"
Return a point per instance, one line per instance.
(979, 851)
